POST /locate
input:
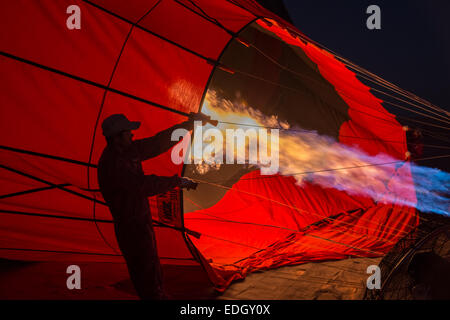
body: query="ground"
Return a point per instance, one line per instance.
(343, 279)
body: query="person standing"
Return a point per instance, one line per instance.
(125, 189)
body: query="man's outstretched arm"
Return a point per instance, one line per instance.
(159, 143)
(119, 179)
(153, 185)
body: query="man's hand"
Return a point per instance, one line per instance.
(205, 119)
(188, 183)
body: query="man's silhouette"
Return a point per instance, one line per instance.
(126, 189)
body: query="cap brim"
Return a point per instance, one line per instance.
(134, 125)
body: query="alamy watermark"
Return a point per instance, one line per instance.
(234, 146)
(374, 280)
(74, 20)
(74, 280)
(373, 22)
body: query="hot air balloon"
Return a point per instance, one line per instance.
(156, 61)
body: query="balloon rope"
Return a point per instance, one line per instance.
(204, 15)
(356, 110)
(445, 117)
(294, 231)
(325, 219)
(154, 104)
(292, 207)
(367, 74)
(100, 112)
(348, 168)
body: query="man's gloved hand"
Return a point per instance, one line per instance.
(188, 183)
(189, 124)
(205, 119)
(199, 117)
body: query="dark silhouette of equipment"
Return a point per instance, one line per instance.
(418, 266)
(431, 276)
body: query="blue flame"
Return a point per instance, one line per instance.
(432, 189)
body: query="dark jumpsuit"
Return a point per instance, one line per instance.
(126, 189)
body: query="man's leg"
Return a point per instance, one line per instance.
(138, 246)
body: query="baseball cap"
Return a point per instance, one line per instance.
(116, 123)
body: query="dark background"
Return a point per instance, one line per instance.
(412, 49)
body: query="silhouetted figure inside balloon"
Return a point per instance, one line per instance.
(414, 139)
(126, 189)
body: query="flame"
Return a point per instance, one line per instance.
(309, 156)
(234, 116)
(238, 113)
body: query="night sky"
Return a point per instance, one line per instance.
(412, 49)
